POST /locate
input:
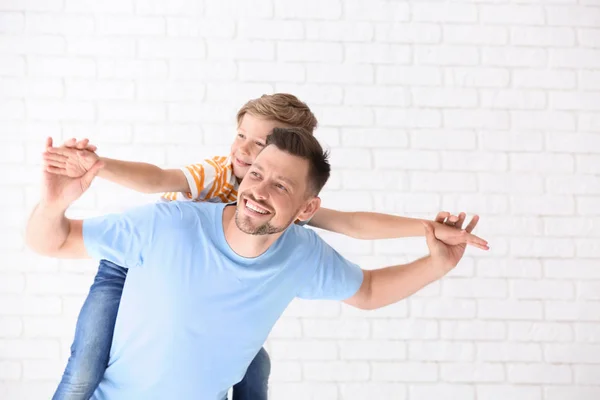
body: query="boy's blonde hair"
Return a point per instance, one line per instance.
(282, 107)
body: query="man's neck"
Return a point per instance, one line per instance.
(243, 244)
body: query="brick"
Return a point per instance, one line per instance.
(511, 14)
(11, 22)
(311, 9)
(542, 162)
(476, 119)
(572, 142)
(469, 161)
(444, 97)
(183, 90)
(61, 67)
(571, 311)
(48, 327)
(587, 332)
(304, 390)
(409, 202)
(12, 65)
(472, 330)
(57, 111)
(303, 350)
(284, 371)
(572, 15)
(376, 180)
(574, 58)
(376, 53)
(12, 283)
(270, 72)
(475, 34)
(570, 226)
(542, 120)
(121, 25)
(404, 372)
(275, 29)
(345, 116)
(587, 205)
(171, 48)
(539, 373)
(444, 181)
(514, 57)
(582, 269)
(544, 79)
(31, 88)
(40, 370)
(342, 73)
(513, 99)
(546, 204)
(588, 164)
(10, 327)
(447, 55)
(91, 6)
(404, 329)
(417, 118)
(10, 370)
(305, 52)
(441, 391)
(586, 374)
(430, 12)
(588, 290)
(472, 372)
(59, 24)
(570, 392)
(527, 331)
(377, 10)
(31, 5)
(443, 139)
(126, 111)
(371, 350)
(498, 392)
(206, 28)
(334, 329)
(474, 288)
(165, 7)
(573, 184)
(101, 90)
(359, 200)
(24, 349)
(132, 69)
(407, 33)
(509, 309)
(441, 351)
(406, 160)
(587, 248)
(542, 36)
(12, 109)
(574, 101)
(507, 141)
(219, 49)
(542, 247)
(99, 133)
(530, 289)
(446, 309)
(476, 203)
(482, 77)
(572, 353)
(509, 352)
(365, 390)
(588, 37)
(32, 45)
(369, 137)
(336, 371)
(408, 75)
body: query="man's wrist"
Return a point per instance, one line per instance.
(51, 207)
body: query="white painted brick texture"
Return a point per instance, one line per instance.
(484, 107)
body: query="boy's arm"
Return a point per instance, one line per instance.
(372, 226)
(74, 159)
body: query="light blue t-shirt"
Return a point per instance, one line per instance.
(194, 313)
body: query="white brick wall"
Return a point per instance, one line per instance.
(486, 108)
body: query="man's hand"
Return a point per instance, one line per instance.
(73, 159)
(445, 256)
(448, 229)
(60, 190)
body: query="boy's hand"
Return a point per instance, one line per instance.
(73, 159)
(448, 229)
(444, 257)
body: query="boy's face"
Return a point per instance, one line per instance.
(250, 140)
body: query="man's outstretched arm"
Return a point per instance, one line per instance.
(52, 234)
(389, 285)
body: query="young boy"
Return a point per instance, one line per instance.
(216, 180)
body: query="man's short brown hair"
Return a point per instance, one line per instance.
(299, 142)
(283, 107)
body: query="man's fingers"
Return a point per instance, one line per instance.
(61, 151)
(476, 241)
(461, 220)
(48, 142)
(54, 157)
(56, 164)
(70, 142)
(56, 170)
(472, 224)
(441, 217)
(91, 148)
(82, 144)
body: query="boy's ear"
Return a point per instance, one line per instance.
(309, 209)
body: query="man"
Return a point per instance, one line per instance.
(207, 282)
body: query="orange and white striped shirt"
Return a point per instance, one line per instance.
(211, 180)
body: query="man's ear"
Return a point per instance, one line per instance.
(309, 209)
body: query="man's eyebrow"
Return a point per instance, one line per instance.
(289, 181)
(257, 166)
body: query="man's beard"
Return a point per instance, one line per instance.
(245, 225)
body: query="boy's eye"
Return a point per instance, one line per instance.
(241, 136)
(260, 144)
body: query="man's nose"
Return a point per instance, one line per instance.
(260, 191)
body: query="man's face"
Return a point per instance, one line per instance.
(249, 141)
(274, 193)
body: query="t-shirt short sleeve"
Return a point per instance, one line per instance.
(335, 278)
(124, 238)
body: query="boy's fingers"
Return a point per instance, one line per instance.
(82, 144)
(55, 170)
(55, 157)
(472, 224)
(441, 217)
(92, 148)
(70, 142)
(461, 220)
(48, 142)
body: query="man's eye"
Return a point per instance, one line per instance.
(280, 187)
(254, 174)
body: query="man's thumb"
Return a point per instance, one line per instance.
(92, 172)
(429, 235)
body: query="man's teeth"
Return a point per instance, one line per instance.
(254, 208)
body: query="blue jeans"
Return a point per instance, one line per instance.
(93, 337)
